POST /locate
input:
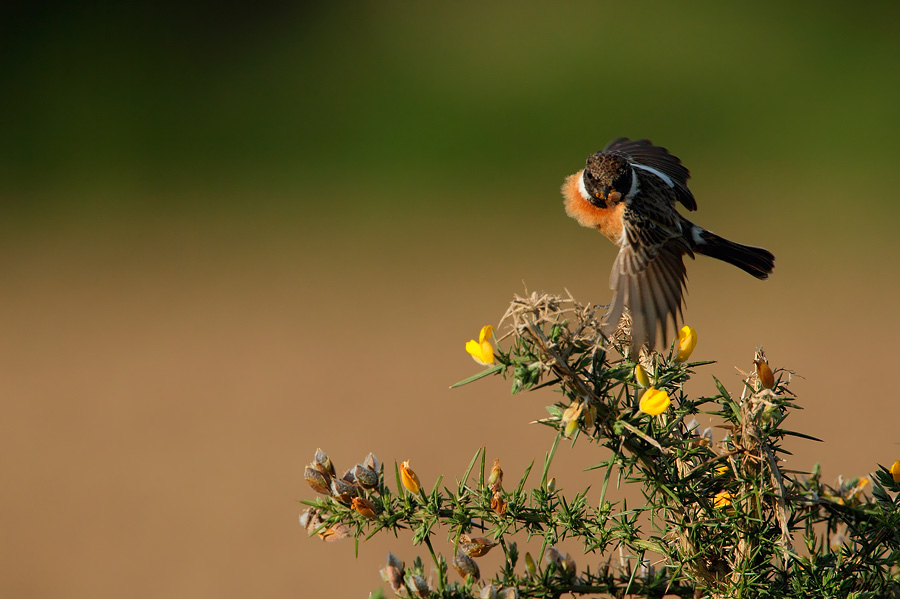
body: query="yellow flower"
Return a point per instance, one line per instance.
(723, 469)
(481, 350)
(722, 499)
(895, 471)
(409, 478)
(687, 341)
(640, 376)
(654, 401)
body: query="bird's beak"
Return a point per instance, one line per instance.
(604, 191)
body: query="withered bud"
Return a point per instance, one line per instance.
(418, 585)
(317, 480)
(465, 566)
(310, 520)
(495, 479)
(509, 593)
(475, 547)
(393, 576)
(590, 415)
(498, 504)
(366, 477)
(322, 463)
(335, 533)
(364, 507)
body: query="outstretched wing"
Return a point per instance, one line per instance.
(643, 154)
(648, 276)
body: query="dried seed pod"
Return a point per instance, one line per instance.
(366, 477)
(488, 592)
(475, 547)
(393, 560)
(418, 585)
(553, 556)
(393, 576)
(569, 564)
(509, 593)
(317, 480)
(465, 565)
(322, 463)
(342, 490)
(372, 463)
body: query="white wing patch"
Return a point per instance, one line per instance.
(697, 234)
(659, 174)
(635, 185)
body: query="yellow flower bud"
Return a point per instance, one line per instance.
(409, 478)
(363, 506)
(641, 377)
(764, 374)
(569, 419)
(654, 401)
(687, 341)
(895, 471)
(530, 566)
(722, 499)
(495, 478)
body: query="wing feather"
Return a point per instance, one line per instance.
(643, 152)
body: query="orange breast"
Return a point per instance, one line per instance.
(606, 220)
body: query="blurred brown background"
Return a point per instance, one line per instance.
(229, 238)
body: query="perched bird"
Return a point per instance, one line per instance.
(628, 191)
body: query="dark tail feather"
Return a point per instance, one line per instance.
(759, 262)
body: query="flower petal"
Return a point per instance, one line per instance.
(722, 499)
(487, 331)
(654, 401)
(687, 341)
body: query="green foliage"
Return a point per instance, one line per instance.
(724, 519)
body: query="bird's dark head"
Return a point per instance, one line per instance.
(608, 178)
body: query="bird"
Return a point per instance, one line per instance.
(629, 191)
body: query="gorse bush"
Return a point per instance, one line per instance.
(720, 519)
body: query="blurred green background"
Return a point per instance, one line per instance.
(231, 235)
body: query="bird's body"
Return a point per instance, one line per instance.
(628, 192)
